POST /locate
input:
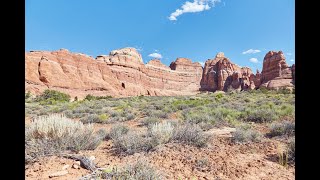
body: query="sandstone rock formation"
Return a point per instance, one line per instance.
(121, 73)
(221, 74)
(276, 73)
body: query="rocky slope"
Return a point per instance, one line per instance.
(123, 73)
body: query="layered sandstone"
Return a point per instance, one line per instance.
(221, 74)
(276, 73)
(121, 73)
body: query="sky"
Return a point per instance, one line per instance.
(245, 30)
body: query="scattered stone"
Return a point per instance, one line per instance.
(92, 158)
(57, 174)
(65, 167)
(75, 166)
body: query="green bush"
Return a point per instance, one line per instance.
(52, 97)
(90, 97)
(27, 95)
(261, 115)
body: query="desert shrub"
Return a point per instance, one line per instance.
(156, 113)
(284, 91)
(55, 133)
(91, 118)
(132, 142)
(27, 95)
(291, 149)
(286, 110)
(261, 115)
(137, 171)
(190, 134)
(120, 116)
(161, 133)
(52, 97)
(90, 97)
(282, 128)
(242, 135)
(147, 121)
(117, 131)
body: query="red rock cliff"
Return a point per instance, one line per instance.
(221, 74)
(275, 72)
(121, 73)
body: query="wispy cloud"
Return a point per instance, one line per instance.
(251, 51)
(292, 60)
(253, 60)
(193, 7)
(139, 48)
(155, 55)
(289, 54)
(201, 62)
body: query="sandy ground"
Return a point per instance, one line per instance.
(223, 159)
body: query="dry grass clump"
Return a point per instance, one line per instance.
(49, 135)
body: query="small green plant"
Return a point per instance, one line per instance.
(90, 97)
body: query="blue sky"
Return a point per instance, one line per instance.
(195, 29)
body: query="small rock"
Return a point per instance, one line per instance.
(57, 174)
(92, 158)
(65, 167)
(75, 166)
(77, 163)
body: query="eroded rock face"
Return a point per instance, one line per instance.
(276, 73)
(121, 73)
(221, 74)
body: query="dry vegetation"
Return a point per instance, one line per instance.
(169, 137)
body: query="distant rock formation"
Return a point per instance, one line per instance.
(221, 74)
(276, 73)
(123, 73)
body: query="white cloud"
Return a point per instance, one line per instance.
(155, 55)
(192, 7)
(251, 51)
(254, 60)
(289, 54)
(202, 63)
(292, 60)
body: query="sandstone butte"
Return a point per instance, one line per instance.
(122, 73)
